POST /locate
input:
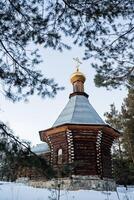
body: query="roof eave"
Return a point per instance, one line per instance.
(63, 127)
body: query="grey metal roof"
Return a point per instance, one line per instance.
(78, 111)
(40, 148)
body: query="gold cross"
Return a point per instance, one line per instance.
(77, 62)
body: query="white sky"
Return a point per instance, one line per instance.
(26, 119)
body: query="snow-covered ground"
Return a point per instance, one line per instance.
(17, 191)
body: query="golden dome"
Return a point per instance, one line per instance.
(77, 76)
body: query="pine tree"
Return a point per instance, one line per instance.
(114, 118)
(123, 153)
(128, 116)
(16, 156)
(104, 28)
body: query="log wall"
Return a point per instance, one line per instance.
(87, 149)
(106, 144)
(85, 153)
(58, 141)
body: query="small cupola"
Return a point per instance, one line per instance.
(77, 79)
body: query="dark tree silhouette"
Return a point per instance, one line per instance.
(123, 151)
(105, 28)
(16, 155)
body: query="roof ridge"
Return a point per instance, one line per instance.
(95, 111)
(74, 106)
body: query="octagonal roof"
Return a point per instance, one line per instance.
(78, 111)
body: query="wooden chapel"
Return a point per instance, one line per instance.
(79, 137)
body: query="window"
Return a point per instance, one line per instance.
(59, 156)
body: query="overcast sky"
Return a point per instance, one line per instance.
(26, 119)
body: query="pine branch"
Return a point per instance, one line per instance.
(121, 36)
(9, 54)
(71, 7)
(15, 61)
(10, 135)
(19, 11)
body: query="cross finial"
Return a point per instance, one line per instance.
(77, 62)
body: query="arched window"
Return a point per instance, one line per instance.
(59, 157)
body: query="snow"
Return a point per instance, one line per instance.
(18, 191)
